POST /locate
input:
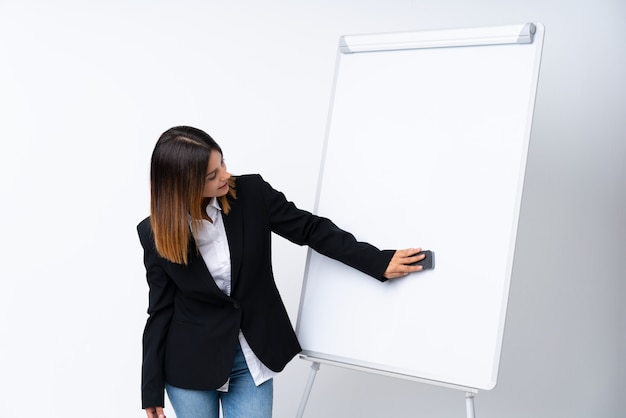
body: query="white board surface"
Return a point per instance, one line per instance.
(426, 146)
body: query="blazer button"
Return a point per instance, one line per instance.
(236, 305)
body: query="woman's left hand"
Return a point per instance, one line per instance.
(399, 264)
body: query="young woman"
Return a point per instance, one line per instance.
(217, 330)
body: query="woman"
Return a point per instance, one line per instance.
(217, 330)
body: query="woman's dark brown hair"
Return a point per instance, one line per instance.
(177, 175)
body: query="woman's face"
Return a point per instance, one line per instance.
(216, 181)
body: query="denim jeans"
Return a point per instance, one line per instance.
(243, 400)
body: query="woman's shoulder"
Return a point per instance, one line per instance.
(247, 179)
(247, 183)
(144, 224)
(144, 228)
(252, 187)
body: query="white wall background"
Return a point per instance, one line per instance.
(87, 87)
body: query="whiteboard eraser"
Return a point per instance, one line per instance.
(428, 262)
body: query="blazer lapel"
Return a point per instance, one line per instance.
(233, 223)
(198, 268)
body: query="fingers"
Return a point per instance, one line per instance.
(155, 412)
(407, 252)
(409, 256)
(414, 257)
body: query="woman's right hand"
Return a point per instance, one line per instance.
(155, 412)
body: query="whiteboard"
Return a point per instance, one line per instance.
(426, 146)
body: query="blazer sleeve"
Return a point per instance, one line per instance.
(160, 310)
(322, 235)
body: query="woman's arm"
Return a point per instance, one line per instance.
(321, 234)
(160, 310)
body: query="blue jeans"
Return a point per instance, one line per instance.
(243, 400)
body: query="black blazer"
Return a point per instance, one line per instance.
(191, 332)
